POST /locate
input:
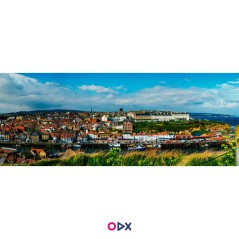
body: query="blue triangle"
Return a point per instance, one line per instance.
(120, 226)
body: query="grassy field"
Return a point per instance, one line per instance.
(147, 158)
(177, 126)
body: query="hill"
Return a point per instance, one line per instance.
(43, 111)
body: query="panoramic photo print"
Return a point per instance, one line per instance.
(119, 119)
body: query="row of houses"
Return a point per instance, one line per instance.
(12, 156)
(65, 128)
(84, 135)
(159, 116)
(169, 136)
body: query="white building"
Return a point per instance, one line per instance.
(119, 127)
(119, 119)
(93, 136)
(104, 118)
(128, 136)
(149, 137)
(160, 116)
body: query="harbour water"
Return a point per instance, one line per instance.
(231, 120)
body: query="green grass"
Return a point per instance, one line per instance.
(148, 158)
(176, 126)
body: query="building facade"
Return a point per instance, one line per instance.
(161, 116)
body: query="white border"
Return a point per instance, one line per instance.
(119, 36)
(113, 36)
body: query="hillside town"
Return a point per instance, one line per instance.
(78, 128)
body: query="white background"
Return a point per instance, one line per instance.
(119, 36)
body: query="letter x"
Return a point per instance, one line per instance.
(128, 226)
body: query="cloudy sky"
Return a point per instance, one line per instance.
(212, 93)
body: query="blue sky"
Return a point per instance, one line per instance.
(189, 92)
(137, 81)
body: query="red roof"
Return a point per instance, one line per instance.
(20, 160)
(30, 161)
(38, 151)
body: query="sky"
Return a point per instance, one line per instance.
(184, 92)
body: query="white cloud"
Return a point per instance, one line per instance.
(121, 87)
(97, 89)
(234, 82)
(194, 99)
(19, 93)
(23, 93)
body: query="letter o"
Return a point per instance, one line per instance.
(111, 226)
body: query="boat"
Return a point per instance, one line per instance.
(114, 145)
(136, 148)
(204, 145)
(10, 149)
(77, 145)
(157, 146)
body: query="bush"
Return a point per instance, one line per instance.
(226, 159)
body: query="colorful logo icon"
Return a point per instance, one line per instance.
(112, 226)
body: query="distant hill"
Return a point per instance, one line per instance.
(43, 111)
(192, 115)
(210, 115)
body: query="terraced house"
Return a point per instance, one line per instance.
(158, 116)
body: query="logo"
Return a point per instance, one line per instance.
(119, 226)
